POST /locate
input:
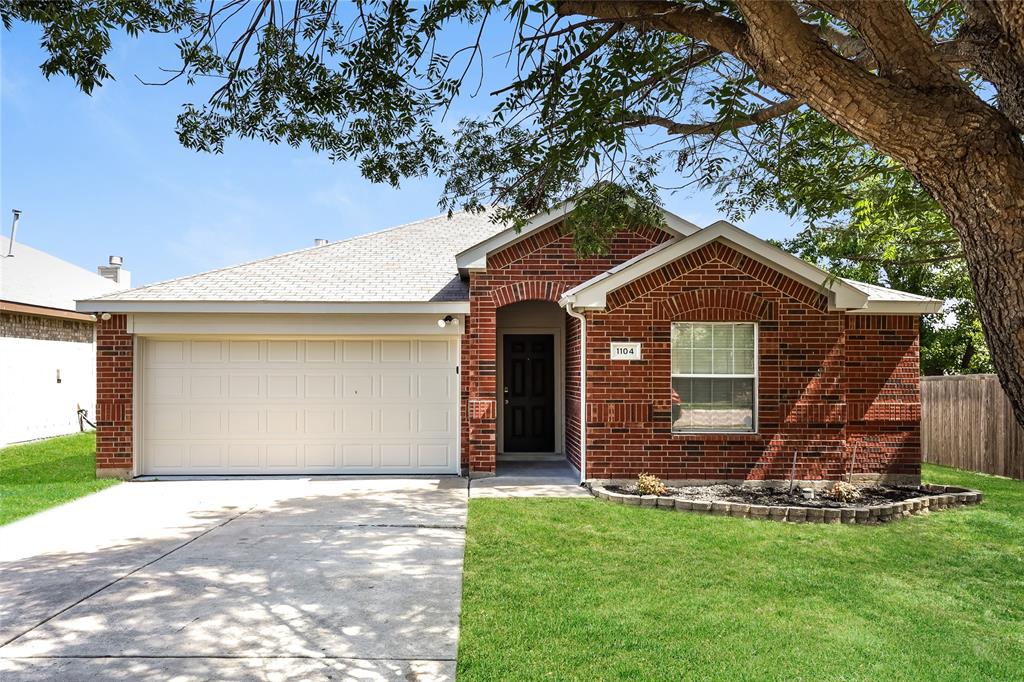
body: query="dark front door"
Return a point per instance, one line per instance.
(529, 392)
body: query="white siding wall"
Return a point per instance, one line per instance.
(32, 403)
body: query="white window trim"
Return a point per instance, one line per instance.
(755, 425)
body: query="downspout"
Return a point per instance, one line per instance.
(567, 303)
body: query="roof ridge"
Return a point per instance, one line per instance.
(266, 259)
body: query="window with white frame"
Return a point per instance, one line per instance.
(714, 376)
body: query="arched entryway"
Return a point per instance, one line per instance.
(530, 365)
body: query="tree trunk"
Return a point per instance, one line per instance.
(982, 191)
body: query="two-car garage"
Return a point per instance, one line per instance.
(307, 405)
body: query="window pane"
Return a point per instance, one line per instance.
(699, 392)
(712, 404)
(744, 361)
(682, 335)
(723, 361)
(723, 336)
(721, 392)
(702, 361)
(702, 335)
(744, 336)
(682, 360)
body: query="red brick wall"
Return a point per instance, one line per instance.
(827, 382)
(114, 365)
(541, 267)
(884, 393)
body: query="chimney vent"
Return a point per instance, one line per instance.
(319, 241)
(114, 272)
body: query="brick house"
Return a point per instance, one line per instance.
(453, 345)
(47, 357)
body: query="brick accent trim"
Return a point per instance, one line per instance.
(115, 360)
(717, 305)
(727, 256)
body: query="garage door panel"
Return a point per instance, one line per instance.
(206, 352)
(433, 454)
(320, 386)
(241, 351)
(206, 455)
(245, 456)
(356, 352)
(249, 406)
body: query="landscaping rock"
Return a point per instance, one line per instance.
(821, 510)
(720, 508)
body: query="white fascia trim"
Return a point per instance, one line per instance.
(926, 307)
(369, 308)
(474, 259)
(593, 293)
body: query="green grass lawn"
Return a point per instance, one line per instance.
(43, 474)
(582, 589)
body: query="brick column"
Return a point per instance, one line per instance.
(481, 377)
(114, 379)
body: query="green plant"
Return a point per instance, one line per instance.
(649, 484)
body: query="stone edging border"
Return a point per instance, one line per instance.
(934, 498)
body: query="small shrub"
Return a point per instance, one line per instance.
(649, 484)
(841, 491)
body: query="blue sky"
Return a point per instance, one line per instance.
(105, 175)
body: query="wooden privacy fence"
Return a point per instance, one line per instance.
(967, 422)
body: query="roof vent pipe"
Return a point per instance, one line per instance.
(319, 242)
(14, 232)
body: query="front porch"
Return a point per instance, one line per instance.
(530, 479)
(530, 392)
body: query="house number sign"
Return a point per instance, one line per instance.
(626, 351)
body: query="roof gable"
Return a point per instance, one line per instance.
(842, 294)
(475, 257)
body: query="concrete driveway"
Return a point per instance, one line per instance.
(237, 579)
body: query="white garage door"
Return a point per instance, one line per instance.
(300, 406)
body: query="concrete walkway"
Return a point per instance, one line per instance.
(237, 579)
(530, 479)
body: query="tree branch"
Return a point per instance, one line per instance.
(715, 128)
(898, 44)
(721, 32)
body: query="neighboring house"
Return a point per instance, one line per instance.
(451, 345)
(47, 355)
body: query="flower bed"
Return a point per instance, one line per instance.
(877, 504)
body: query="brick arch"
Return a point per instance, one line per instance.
(717, 305)
(533, 290)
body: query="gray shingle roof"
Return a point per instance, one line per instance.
(35, 277)
(408, 263)
(877, 293)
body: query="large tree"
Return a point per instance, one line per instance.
(864, 217)
(606, 91)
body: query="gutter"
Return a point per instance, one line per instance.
(567, 303)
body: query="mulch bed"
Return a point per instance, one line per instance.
(769, 497)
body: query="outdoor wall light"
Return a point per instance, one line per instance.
(448, 320)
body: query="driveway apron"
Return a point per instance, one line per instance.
(237, 579)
